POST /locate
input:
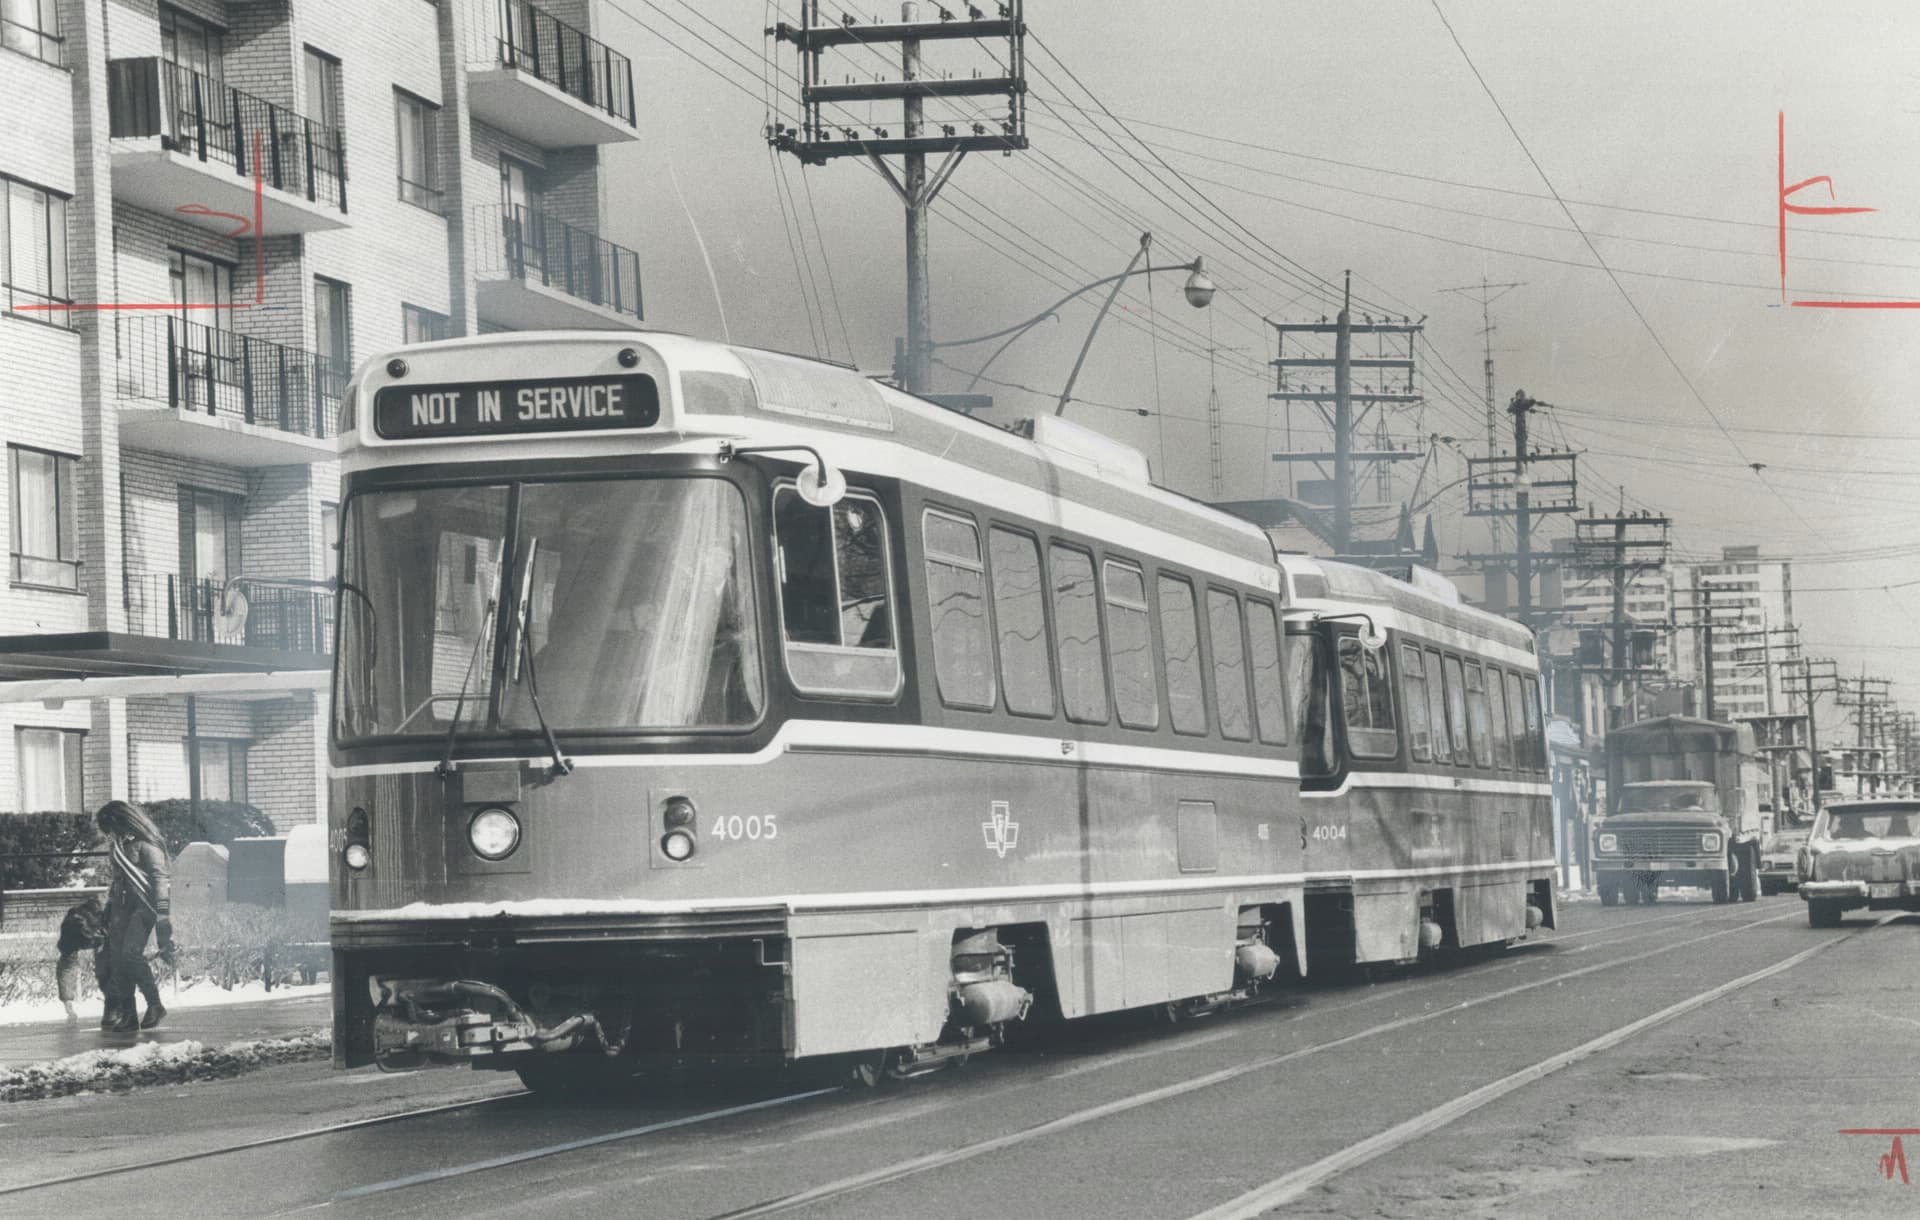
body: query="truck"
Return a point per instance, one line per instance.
(1684, 806)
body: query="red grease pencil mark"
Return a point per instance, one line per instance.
(1786, 193)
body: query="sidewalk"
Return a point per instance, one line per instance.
(209, 1024)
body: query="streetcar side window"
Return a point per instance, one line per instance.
(1076, 619)
(835, 601)
(1516, 720)
(1479, 731)
(957, 610)
(1502, 729)
(1457, 712)
(1413, 697)
(1019, 609)
(1437, 707)
(1263, 656)
(1536, 746)
(1367, 700)
(1180, 636)
(1229, 665)
(1135, 699)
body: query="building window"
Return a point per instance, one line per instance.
(957, 611)
(1021, 614)
(1076, 622)
(324, 108)
(32, 27)
(33, 250)
(332, 321)
(48, 772)
(835, 596)
(44, 551)
(223, 769)
(418, 150)
(192, 43)
(419, 325)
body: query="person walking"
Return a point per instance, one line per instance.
(83, 930)
(137, 907)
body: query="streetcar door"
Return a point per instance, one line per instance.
(1310, 678)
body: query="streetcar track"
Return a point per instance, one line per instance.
(266, 1141)
(1291, 1186)
(566, 1146)
(914, 1166)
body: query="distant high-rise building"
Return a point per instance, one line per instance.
(1747, 595)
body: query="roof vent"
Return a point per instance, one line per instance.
(1108, 456)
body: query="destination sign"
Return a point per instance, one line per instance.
(512, 408)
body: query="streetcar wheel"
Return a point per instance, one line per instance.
(1824, 914)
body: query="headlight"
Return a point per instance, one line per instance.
(358, 851)
(1609, 842)
(494, 834)
(1710, 842)
(676, 845)
(357, 856)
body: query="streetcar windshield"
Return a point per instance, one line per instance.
(602, 605)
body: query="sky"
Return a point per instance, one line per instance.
(1288, 142)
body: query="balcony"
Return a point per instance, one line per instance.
(532, 75)
(186, 145)
(198, 391)
(534, 272)
(171, 606)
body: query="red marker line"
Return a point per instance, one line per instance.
(1880, 1131)
(1857, 304)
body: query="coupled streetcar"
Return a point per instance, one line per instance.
(696, 702)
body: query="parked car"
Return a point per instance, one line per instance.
(1863, 853)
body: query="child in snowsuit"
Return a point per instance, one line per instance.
(84, 930)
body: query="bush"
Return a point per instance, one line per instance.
(45, 832)
(216, 822)
(237, 942)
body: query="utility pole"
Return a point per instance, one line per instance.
(817, 138)
(1621, 548)
(1815, 678)
(1489, 293)
(1336, 407)
(1505, 487)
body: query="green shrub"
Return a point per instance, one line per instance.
(22, 833)
(214, 822)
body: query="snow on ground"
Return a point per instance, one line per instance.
(197, 994)
(152, 1063)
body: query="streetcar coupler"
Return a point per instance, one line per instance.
(426, 1022)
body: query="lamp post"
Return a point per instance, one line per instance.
(1199, 290)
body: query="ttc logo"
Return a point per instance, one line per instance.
(1002, 832)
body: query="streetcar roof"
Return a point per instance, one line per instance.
(1328, 585)
(737, 392)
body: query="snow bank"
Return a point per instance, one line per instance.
(198, 994)
(152, 1063)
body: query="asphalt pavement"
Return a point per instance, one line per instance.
(1679, 1058)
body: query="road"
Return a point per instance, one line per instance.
(1640, 1060)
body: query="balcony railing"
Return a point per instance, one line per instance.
(533, 247)
(177, 607)
(531, 39)
(196, 367)
(211, 121)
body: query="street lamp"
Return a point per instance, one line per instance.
(1199, 290)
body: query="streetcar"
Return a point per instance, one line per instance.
(699, 703)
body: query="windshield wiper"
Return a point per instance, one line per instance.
(523, 645)
(445, 769)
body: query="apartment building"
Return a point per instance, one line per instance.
(209, 209)
(1748, 598)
